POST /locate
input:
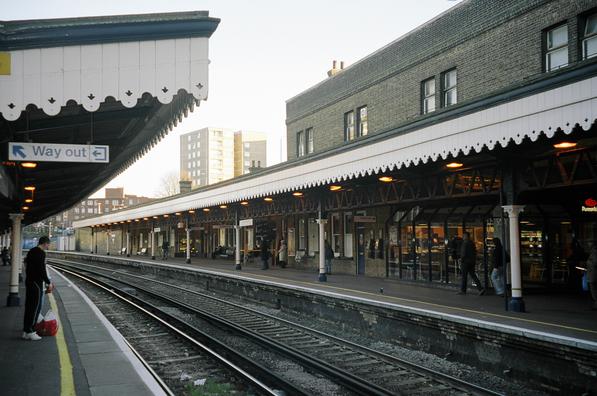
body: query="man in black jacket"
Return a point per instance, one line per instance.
(35, 276)
(468, 257)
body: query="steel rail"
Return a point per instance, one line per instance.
(121, 294)
(440, 376)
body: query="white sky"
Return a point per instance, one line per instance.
(263, 53)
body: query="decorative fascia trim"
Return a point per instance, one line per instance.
(87, 74)
(543, 113)
(44, 33)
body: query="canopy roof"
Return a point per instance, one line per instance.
(565, 102)
(122, 81)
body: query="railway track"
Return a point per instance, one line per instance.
(359, 369)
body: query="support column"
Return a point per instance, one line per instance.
(516, 303)
(92, 236)
(237, 265)
(188, 260)
(322, 222)
(13, 299)
(128, 243)
(152, 243)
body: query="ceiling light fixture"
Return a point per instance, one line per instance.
(223, 206)
(29, 165)
(386, 179)
(268, 199)
(453, 165)
(191, 211)
(335, 188)
(30, 188)
(564, 145)
(244, 203)
(206, 209)
(298, 194)
(28, 200)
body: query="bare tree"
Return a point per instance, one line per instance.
(168, 185)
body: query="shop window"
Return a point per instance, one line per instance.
(589, 42)
(450, 89)
(313, 242)
(363, 123)
(336, 234)
(556, 48)
(301, 234)
(348, 228)
(428, 95)
(349, 127)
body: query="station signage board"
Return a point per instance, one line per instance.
(245, 222)
(157, 229)
(364, 219)
(49, 152)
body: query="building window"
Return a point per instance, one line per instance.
(589, 42)
(310, 142)
(349, 126)
(362, 124)
(556, 55)
(428, 95)
(450, 82)
(300, 144)
(301, 234)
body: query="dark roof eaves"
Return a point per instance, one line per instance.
(18, 35)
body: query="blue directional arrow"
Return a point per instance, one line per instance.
(99, 153)
(18, 150)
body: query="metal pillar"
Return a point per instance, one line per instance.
(188, 260)
(128, 243)
(322, 222)
(237, 264)
(13, 299)
(516, 303)
(152, 243)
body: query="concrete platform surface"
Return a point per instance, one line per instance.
(101, 362)
(553, 316)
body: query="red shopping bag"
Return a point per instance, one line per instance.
(48, 327)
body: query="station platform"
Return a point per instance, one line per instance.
(552, 317)
(86, 357)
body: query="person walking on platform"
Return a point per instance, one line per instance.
(35, 276)
(165, 248)
(4, 255)
(264, 254)
(329, 255)
(497, 273)
(592, 274)
(282, 254)
(468, 256)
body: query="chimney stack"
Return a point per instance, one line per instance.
(334, 70)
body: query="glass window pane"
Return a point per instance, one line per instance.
(348, 227)
(557, 58)
(590, 47)
(557, 37)
(591, 26)
(429, 105)
(429, 87)
(450, 79)
(450, 97)
(313, 237)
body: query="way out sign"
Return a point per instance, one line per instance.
(47, 152)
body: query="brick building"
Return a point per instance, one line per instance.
(483, 47)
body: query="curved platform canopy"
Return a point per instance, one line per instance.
(561, 105)
(120, 81)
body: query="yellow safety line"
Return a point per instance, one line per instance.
(432, 304)
(67, 384)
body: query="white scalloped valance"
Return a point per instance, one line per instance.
(50, 77)
(545, 112)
